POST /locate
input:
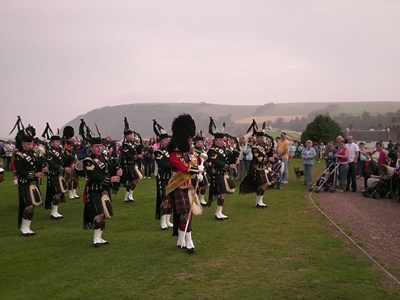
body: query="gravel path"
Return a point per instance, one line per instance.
(373, 224)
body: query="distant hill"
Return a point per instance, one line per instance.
(237, 117)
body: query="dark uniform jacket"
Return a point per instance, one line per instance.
(163, 175)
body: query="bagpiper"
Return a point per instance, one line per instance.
(131, 153)
(97, 191)
(28, 169)
(259, 178)
(161, 155)
(219, 166)
(58, 167)
(69, 144)
(181, 186)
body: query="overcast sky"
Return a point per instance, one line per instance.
(63, 58)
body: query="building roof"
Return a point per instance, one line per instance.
(369, 135)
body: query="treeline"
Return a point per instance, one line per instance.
(363, 121)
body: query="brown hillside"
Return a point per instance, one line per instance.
(237, 117)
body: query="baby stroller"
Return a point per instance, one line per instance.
(276, 169)
(381, 185)
(327, 179)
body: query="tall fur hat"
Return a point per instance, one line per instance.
(68, 132)
(183, 128)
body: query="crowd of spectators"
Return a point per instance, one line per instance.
(355, 160)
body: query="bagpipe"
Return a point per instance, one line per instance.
(114, 167)
(86, 134)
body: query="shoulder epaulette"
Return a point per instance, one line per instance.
(19, 153)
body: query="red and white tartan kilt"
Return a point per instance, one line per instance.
(180, 200)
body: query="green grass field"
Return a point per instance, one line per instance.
(286, 251)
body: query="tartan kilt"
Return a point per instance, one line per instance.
(93, 207)
(218, 185)
(72, 179)
(130, 174)
(133, 172)
(262, 177)
(25, 199)
(254, 180)
(54, 185)
(180, 200)
(161, 196)
(163, 190)
(53, 188)
(248, 184)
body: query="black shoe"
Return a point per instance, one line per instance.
(28, 234)
(191, 250)
(261, 206)
(97, 245)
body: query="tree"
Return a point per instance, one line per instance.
(321, 130)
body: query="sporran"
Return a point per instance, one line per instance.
(107, 207)
(229, 184)
(35, 195)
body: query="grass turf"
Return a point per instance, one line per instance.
(285, 251)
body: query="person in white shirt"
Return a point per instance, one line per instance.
(354, 153)
(9, 149)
